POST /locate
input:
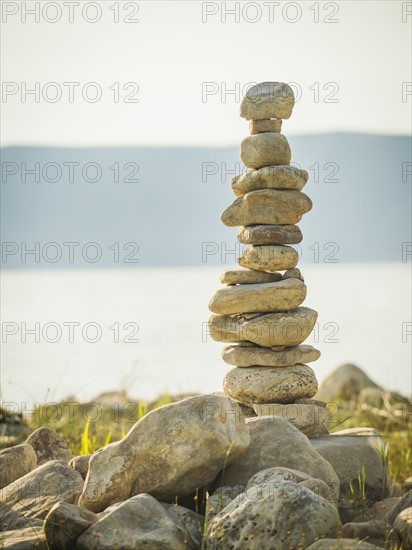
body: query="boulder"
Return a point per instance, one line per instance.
(268, 257)
(192, 523)
(285, 515)
(249, 356)
(16, 462)
(139, 522)
(269, 177)
(403, 526)
(354, 456)
(65, 523)
(267, 100)
(262, 150)
(374, 531)
(169, 453)
(81, 464)
(48, 445)
(401, 504)
(272, 477)
(267, 206)
(247, 276)
(273, 443)
(294, 273)
(272, 329)
(31, 497)
(378, 510)
(269, 234)
(344, 383)
(220, 498)
(258, 298)
(270, 384)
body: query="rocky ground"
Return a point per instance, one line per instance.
(202, 473)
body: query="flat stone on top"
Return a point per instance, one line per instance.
(269, 234)
(268, 100)
(269, 258)
(269, 177)
(266, 149)
(267, 206)
(248, 276)
(252, 356)
(258, 298)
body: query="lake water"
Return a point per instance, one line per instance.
(144, 330)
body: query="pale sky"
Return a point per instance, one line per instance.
(362, 62)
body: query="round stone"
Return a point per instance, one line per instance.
(267, 206)
(289, 328)
(251, 356)
(269, 234)
(267, 100)
(269, 177)
(258, 298)
(270, 385)
(266, 149)
(266, 125)
(269, 258)
(248, 276)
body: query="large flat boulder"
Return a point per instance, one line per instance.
(169, 453)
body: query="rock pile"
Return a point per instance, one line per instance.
(259, 310)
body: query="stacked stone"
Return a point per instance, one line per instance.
(259, 310)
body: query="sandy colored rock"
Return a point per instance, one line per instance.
(268, 258)
(81, 464)
(267, 100)
(272, 329)
(269, 177)
(284, 516)
(252, 356)
(29, 538)
(248, 276)
(31, 497)
(294, 273)
(276, 443)
(16, 462)
(258, 298)
(271, 477)
(65, 523)
(139, 522)
(48, 445)
(270, 385)
(265, 125)
(267, 206)
(266, 149)
(169, 453)
(307, 418)
(269, 234)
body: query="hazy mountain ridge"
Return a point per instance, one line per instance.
(176, 204)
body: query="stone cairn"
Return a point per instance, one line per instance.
(259, 310)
